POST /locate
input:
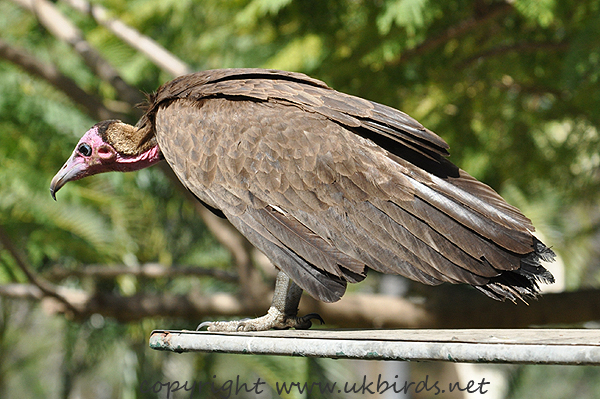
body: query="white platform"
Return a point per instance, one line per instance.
(534, 346)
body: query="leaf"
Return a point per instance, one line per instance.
(300, 54)
(257, 9)
(540, 11)
(407, 14)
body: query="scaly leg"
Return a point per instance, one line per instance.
(282, 314)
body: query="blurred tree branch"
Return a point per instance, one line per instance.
(455, 31)
(160, 56)
(148, 270)
(450, 307)
(92, 105)
(517, 47)
(63, 29)
(45, 288)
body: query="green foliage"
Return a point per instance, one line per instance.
(549, 382)
(512, 86)
(407, 14)
(540, 12)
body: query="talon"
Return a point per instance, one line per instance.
(317, 316)
(304, 322)
(204, 324)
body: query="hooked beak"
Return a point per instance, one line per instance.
(73, 169)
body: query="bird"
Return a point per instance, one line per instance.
(327, 185)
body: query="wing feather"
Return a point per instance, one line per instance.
(301, 170)
(355, 241)
(318, 283)
(307, 244)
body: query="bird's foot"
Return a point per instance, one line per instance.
(274, 319)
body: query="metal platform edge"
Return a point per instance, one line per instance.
(544, 346)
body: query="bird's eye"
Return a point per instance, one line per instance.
(85, 150)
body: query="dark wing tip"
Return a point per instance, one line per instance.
(522, 283)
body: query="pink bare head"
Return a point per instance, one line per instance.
(108, 146)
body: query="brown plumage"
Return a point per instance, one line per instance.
(328, 185)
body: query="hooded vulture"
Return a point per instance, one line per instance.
(326, 184)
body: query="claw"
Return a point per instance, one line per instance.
(304, 322)
(203, 324)
(316, 316)
(238, 325)
(267, 322)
